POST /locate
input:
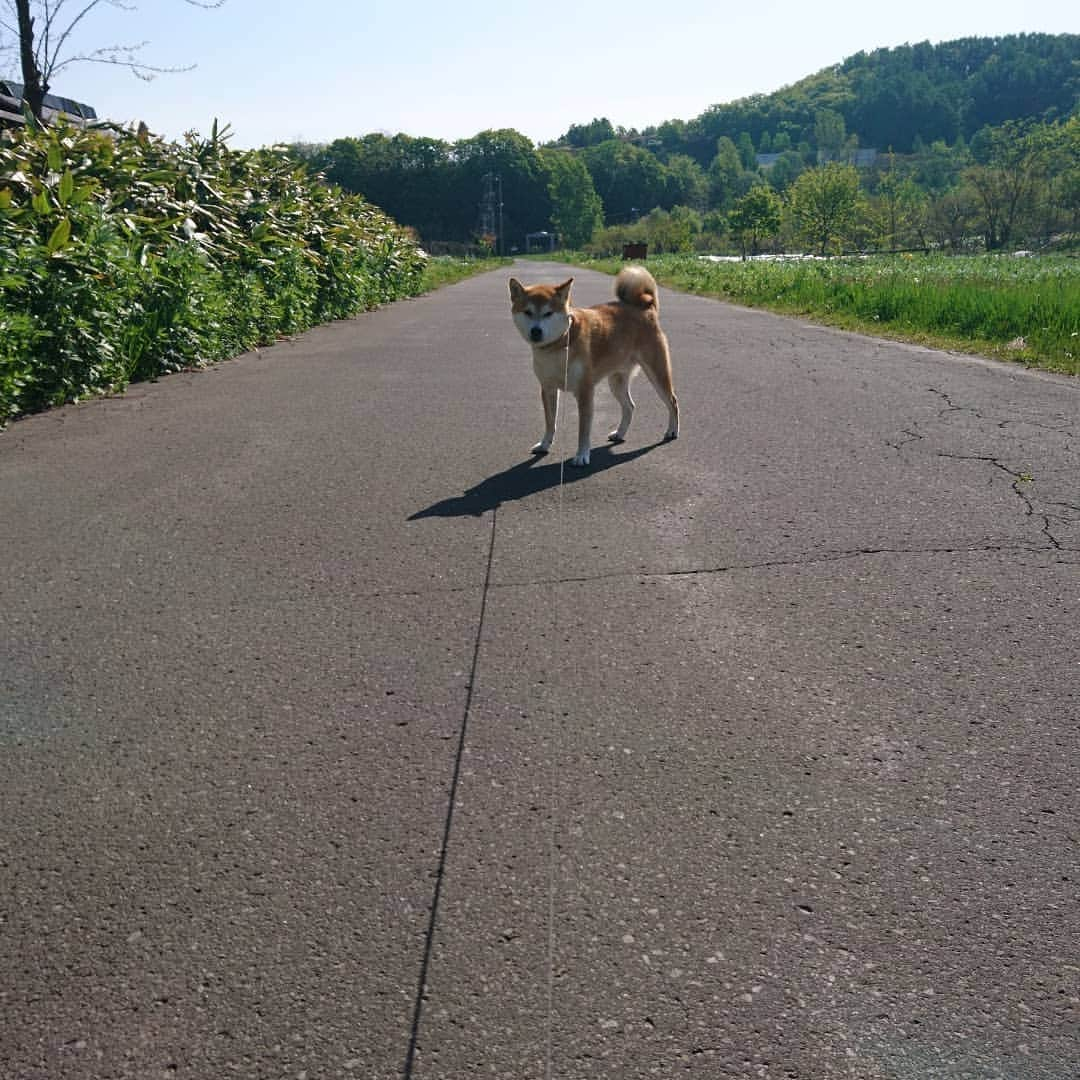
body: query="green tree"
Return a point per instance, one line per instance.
(671, 230)
(896, 108)
(756, 217)
(1066, 167)
(592, 134)
(340, 161)
(787, 167)
(672, 135)
(1010, 179)
(824, 205)
(687, 184)
(950, 216)
(1019, 75)
(576, 210)
(724, 173)
(628, 179)
(937, 167)
(896, 215)
(747, 154)
(405, 176)
(830, 134)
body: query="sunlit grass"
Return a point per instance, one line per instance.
(1020, 309)
(440, 270)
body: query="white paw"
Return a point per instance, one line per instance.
(616, 437)
(581, 459)
(541, 447)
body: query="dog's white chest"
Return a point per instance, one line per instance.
(552, 369)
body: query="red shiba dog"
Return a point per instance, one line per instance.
(575, 348)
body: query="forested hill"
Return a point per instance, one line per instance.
(931, 113)
(890, 98)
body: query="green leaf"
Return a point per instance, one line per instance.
(40, 203)
(61, 237)
(54, 157)
(67, 187)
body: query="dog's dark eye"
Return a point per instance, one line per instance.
(546, 315)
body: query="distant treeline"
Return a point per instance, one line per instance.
(921, 117)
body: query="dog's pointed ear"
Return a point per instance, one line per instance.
(564, 289)
(516, 290)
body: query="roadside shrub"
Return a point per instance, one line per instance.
(125, 257)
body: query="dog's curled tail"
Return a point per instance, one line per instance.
(636, 286)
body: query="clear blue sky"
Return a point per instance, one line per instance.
(319, 70)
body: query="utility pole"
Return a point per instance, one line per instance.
(491, 210)
(501, 248)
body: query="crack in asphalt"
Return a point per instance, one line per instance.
(1018, 479)
(952, 406)
(781, 564)
(999, 423)
(912, 436)
(1023, 482)
(825, 558)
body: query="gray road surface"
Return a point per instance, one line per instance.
(337, 740)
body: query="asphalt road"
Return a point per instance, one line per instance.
(337, 739)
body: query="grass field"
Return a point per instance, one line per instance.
(1010, 308)
(440, 270)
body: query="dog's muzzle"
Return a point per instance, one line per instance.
(536, 334)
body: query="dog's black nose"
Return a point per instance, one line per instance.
(536, 333)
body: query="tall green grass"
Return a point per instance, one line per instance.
(124, 257)
(1025, 309)
(443, 270)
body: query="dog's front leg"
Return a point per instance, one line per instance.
(550, 397)
(584, 395)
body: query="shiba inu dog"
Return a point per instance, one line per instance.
(575, 348)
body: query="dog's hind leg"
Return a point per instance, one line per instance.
(620, 387)
(549, 395)
(658, 368)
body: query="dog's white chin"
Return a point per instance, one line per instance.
(550, 332)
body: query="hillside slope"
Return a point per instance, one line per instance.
(891, 97)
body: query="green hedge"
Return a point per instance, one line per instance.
(123, 257)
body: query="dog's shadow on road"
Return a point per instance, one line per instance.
(524, 479)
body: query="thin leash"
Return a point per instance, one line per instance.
(553, 802)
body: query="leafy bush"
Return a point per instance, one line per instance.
(125, 257)
(664, 231)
